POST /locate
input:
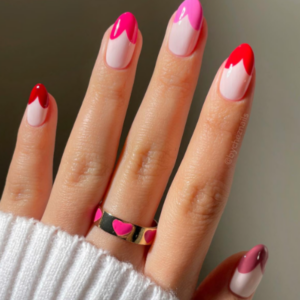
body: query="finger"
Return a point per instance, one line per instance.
(29, 179)
(200, 189)
(154, 139)
(90, 154)
(236, 278)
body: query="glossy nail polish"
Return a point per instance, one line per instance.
(122, 41)
(186, 28)
(237, 73)
(249, 272)
(38, 104)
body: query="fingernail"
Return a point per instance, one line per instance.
(249, 272)
(237, 73)
(186, 28)
(122, 41)
(37, 105)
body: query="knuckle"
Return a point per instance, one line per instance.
(30, 145)
(147, 163)
(217, 124)
(86, 167)
(21, 190)
(202, 204)
(176, 80)
(115, 91)
(23, 184)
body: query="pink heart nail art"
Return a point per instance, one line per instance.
(121, 45)
(121, 228)
(186, 28)
(150, 235)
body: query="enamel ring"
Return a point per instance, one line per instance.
(125, 230)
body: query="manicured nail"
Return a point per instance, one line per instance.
(186, 28)
(237, 73)
(249, 272)
(122, 41)
(37, 105)
(98, 215)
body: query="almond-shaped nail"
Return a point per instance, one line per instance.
(38, 104)
(249, 272)
(122, 41)
(186, 28)
(237, 73)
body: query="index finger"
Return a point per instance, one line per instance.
(200, 189)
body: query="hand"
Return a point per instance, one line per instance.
(132, 189)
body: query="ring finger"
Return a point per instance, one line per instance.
(152, 145)
(90, 154)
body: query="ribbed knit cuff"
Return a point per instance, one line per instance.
(42, 262)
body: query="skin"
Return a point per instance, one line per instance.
(133, 187)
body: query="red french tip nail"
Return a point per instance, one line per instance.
(243, 52)
(39, 91)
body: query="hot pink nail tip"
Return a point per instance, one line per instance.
(249, 272)
(98, 215)
(122, 41)
(192, 9)
(126, 22)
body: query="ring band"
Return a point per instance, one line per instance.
(127, 231)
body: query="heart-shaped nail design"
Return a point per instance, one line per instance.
(121, 228)
(149, 236)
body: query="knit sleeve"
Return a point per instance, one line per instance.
(42, 262)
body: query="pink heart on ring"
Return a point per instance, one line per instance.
(98, 215)
(149, 236)
(121, 228)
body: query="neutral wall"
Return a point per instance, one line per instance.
(56, 42)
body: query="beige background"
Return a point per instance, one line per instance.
(56, 42)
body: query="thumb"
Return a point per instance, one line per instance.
(236, 278)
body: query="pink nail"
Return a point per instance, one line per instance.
(249, 272)
(237, 73)
(37, 105)
(122, 41)
(186, 28)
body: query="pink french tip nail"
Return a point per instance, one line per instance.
(37, 105)
(249, 272)
(237, 73)
(186, 28)
(122, 41)
(98, 215)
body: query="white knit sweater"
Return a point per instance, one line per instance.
(42, 262)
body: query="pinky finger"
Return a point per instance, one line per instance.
(236, 278)
(29, 179)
